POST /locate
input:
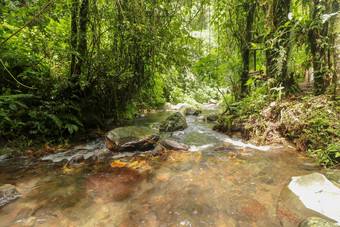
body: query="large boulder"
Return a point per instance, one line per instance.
(174, 122)
(131, 138)
(308, 196)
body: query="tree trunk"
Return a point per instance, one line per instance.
(74, 34)
(337, 55)
(82, 45)
(250, 9)
(277, 56)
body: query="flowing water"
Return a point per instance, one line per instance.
(209, 185)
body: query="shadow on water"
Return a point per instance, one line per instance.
(231, 186)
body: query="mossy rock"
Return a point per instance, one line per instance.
(213, 117)
(190, 110)
(8, 153)
(131, 138)
(174, 122)
(333, 176)
(316, 222)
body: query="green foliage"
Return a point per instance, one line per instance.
(328, 157)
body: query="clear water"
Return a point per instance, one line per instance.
(239, 186)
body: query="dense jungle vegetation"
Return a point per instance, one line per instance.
(67, 66)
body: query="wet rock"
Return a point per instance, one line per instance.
(131, 138)
(174, 122)
(91, 160)
(76, 160)
(247, 209)
(114, 184)
(317, 193)
(309, 166)
(316, 222)
(190, 110)
(333, 176)
(308, 196)
(268, 180)
(163, 176)
(227, 148)
(6, 153)
(212, 117)
(173, 145)
(8, 193)
(169, 145)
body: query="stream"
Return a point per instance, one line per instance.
(219, 182)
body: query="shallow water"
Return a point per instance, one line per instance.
(234, 186)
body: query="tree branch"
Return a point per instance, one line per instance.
(42, 10)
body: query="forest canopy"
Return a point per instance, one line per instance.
(80, 63)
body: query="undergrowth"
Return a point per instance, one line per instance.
(310, 123)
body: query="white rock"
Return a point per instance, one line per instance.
(317, 193)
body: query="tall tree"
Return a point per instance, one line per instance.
(277, 42)
(74, 34)
(82, 45)
(249, 9)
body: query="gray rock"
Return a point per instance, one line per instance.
(8, 193)
(316, 222)
(76, 160)
(173, 145)
(212, 117)
(169, 145)
(190, 110)
(131, 138)
(174, 122)
(7, 153)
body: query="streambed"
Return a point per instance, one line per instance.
(210, 185)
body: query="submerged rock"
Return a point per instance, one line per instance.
(8, 193)
(174, 122)
(170, 145)
(316, 222)
(114, 184)
(131, 138)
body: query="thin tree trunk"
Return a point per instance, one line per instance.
(82, 45)
(74, 34)
(250, 9)
(318, 53)
(337, 56)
